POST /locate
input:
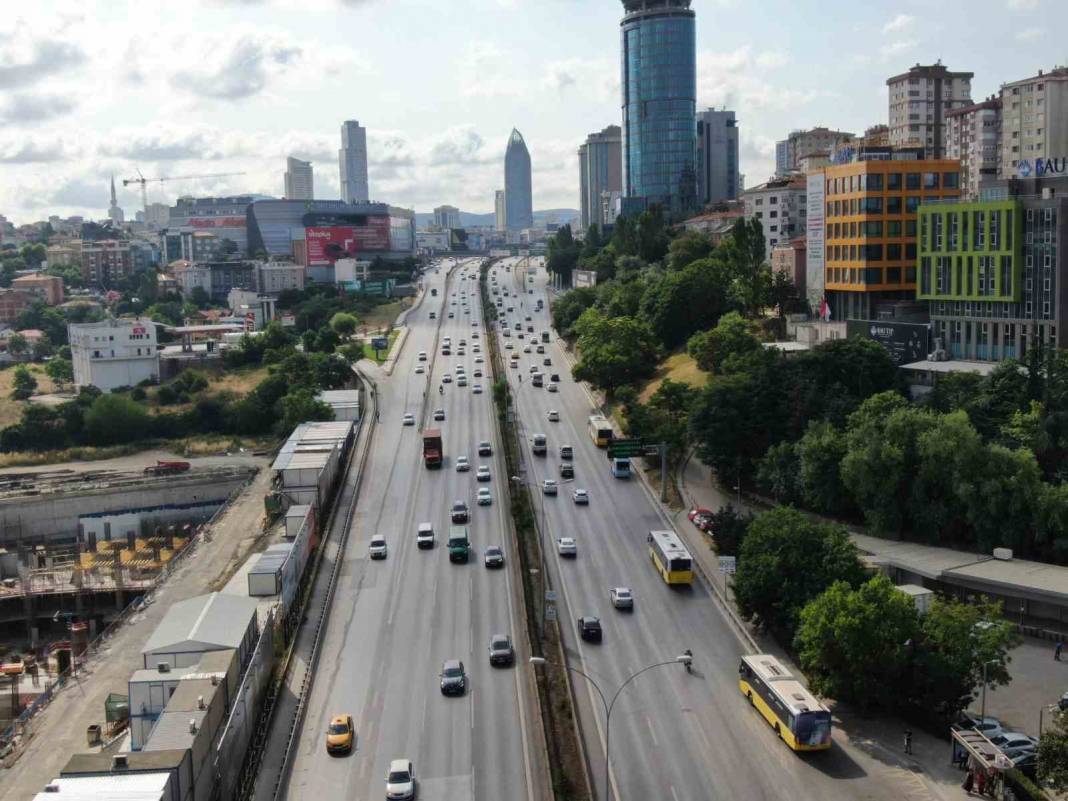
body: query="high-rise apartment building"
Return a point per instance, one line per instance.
(973, 138)
(800, 145)
(500, 210)
(352, 159)
(869, 229)
(780, 205)
(1034, 123)
(106, 262)
(919, 100)
(299, 182)
(718, 178)
(600, 170)
(518, 198)
(447, 217)
(658, 56)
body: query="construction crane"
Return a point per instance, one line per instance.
(140, 179)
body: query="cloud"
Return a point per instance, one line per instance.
(81, 193)
(30, 109)
(892, 50)
(1022, 5)
(25, 60)
(32, 152)
(457, 146)
(899, 23)
(1028, 34)
(733, 79)
(239, 70)
(169, 145)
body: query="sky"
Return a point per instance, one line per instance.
(89, 89)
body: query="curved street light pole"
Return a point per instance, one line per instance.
(609, 704)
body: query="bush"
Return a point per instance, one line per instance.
(115, 420)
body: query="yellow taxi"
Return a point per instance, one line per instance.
(340, 734)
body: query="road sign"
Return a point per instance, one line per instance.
(380, 343)
(624, 448)
(650, 450)
(550, 612)
(727, 565)
(550, 595)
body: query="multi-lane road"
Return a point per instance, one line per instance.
(674, 735)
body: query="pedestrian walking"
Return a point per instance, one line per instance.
(908, 741)
(1057, 650)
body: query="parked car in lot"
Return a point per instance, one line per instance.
(1013, 743)
(589, 628)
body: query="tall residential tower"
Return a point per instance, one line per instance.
(718, 178)
(352, 159)
(518, 199)
(919, 100)
(299, 183)
(600, 170)
(659, 82)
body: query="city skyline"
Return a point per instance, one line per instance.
(241, 98)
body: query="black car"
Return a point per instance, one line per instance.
(500, 650)
(567, 452)
(459, 512)
(547, 362)
(590, 628)
(555, 378)
(494, 556)
(484, 448)
(453, 678)
(567, 470)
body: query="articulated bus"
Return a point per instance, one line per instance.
(600, 430)
(670, 558)
(801, 721)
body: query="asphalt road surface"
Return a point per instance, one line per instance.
(395, 621)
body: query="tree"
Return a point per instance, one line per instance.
(61, 371)
(721, 350)
(562, 254)
(665, 418)
(856, 643)
(678, 303)
(1053, 753)
(24, 384)
(778, 473)
(301, 406)
(199, 297)
(344, 324)
(786, 560)
(728, 530)
(17, 345)
(819, 453)
(615, 351)
(687, 248)
(33, 254)
(569, 306)
(651, 235)
(115, 419)
(783, 294)
(746, 252)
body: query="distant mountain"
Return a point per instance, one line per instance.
(468, 219)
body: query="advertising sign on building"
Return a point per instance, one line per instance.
(215, 222)
(814, 252)
(328, 244)
(1040, 167)
(905, 342)
(583, 278)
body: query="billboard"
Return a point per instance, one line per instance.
(215, 222)
(814, 251)
(905, 342)
(328, 244)
(583, 278)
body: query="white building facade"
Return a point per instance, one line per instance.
(919, 100)
(114, 353)
(299, 180)
(781, 207)
(973, 137)
(352, 160)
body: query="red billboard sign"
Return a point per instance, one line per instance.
(328, 244)
(216, 222)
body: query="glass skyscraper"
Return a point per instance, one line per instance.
(659, 80)
(518, 202)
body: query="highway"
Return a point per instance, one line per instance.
(674, 735)
(394, 621)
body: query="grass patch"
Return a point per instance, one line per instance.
(369, 352)
(384, 315)
(678, 367)
(11, 410)
(190, 446)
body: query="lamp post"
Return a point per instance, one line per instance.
(982, 707)
(609, 704)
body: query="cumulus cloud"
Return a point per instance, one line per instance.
(81, 193)
(734, 79)
(31, 151)
(892, 50)
(33, 108)
(899, 23)
(26, 58)
(1022, 5)
(458, 146)
(239, 69)
(1028, 34)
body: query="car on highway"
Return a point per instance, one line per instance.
(527, 318)
(485, 498)
(551, 387)
(508, 346)
(518, 326)
(554, 416)
(547, 362)
(566, 546)
(433, 315)
(459, 512)
(477, 373)
(452, 316)
(567, 470)
(501, 651)
(479, 360)
(377, 548)
(422, 355)
(424, 535)
(548, 486)
(474, 334)
(340, 735)
(580, 497)
(477, 389)
(506, 333)
(589, 628)
(530, 328)
(409, 419)
(462, 464)
(526, 349)
(461, 380)
(540, 349)
(567, 452)
(419, 369)
(439, 414)
(621, 597)
(400, 781)
(494, 556)
(446, 379)
(453, 678)
(483, 473)
(701, 518)
(533, 369)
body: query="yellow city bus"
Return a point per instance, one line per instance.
(800, 720)
(670, 558)
(600, 430)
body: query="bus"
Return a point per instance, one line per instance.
(670, 558)
(600, 430)
(801, 721)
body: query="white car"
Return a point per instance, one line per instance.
(461, 381)
(581, 497)
(508, 345)
(484, 497)
(462, 465)
(424, 536)
(548, 486)
(482, 473)
(377, 548)
(409, 419)
(551, 387)
(621, 597)
(554, 416)
(479, 360)
(422, 355)
(566, 546)
(526, 349)
(446, 379)
(400, 783)
(477, 389)
(419, 369)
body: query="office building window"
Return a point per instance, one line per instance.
(872, 205)
(893, 204)
(912, 180)
(951, 180)
(911, 204)
(893, 227)
(893, 180)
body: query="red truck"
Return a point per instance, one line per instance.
(432, 450)
(166, 468)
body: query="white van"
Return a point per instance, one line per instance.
(424, 537)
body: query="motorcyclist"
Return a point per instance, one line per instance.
(688, 662)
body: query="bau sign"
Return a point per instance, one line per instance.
(1040, 167)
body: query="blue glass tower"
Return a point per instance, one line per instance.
(659, 79)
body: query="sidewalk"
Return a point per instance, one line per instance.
(875, 743)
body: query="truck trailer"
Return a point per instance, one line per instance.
(432, 449)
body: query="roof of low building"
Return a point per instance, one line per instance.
(952, 366)
(215, 619)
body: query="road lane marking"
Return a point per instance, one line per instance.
(652, 733)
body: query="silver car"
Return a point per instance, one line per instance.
(400, 783)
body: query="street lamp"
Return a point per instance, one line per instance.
(682, 659)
